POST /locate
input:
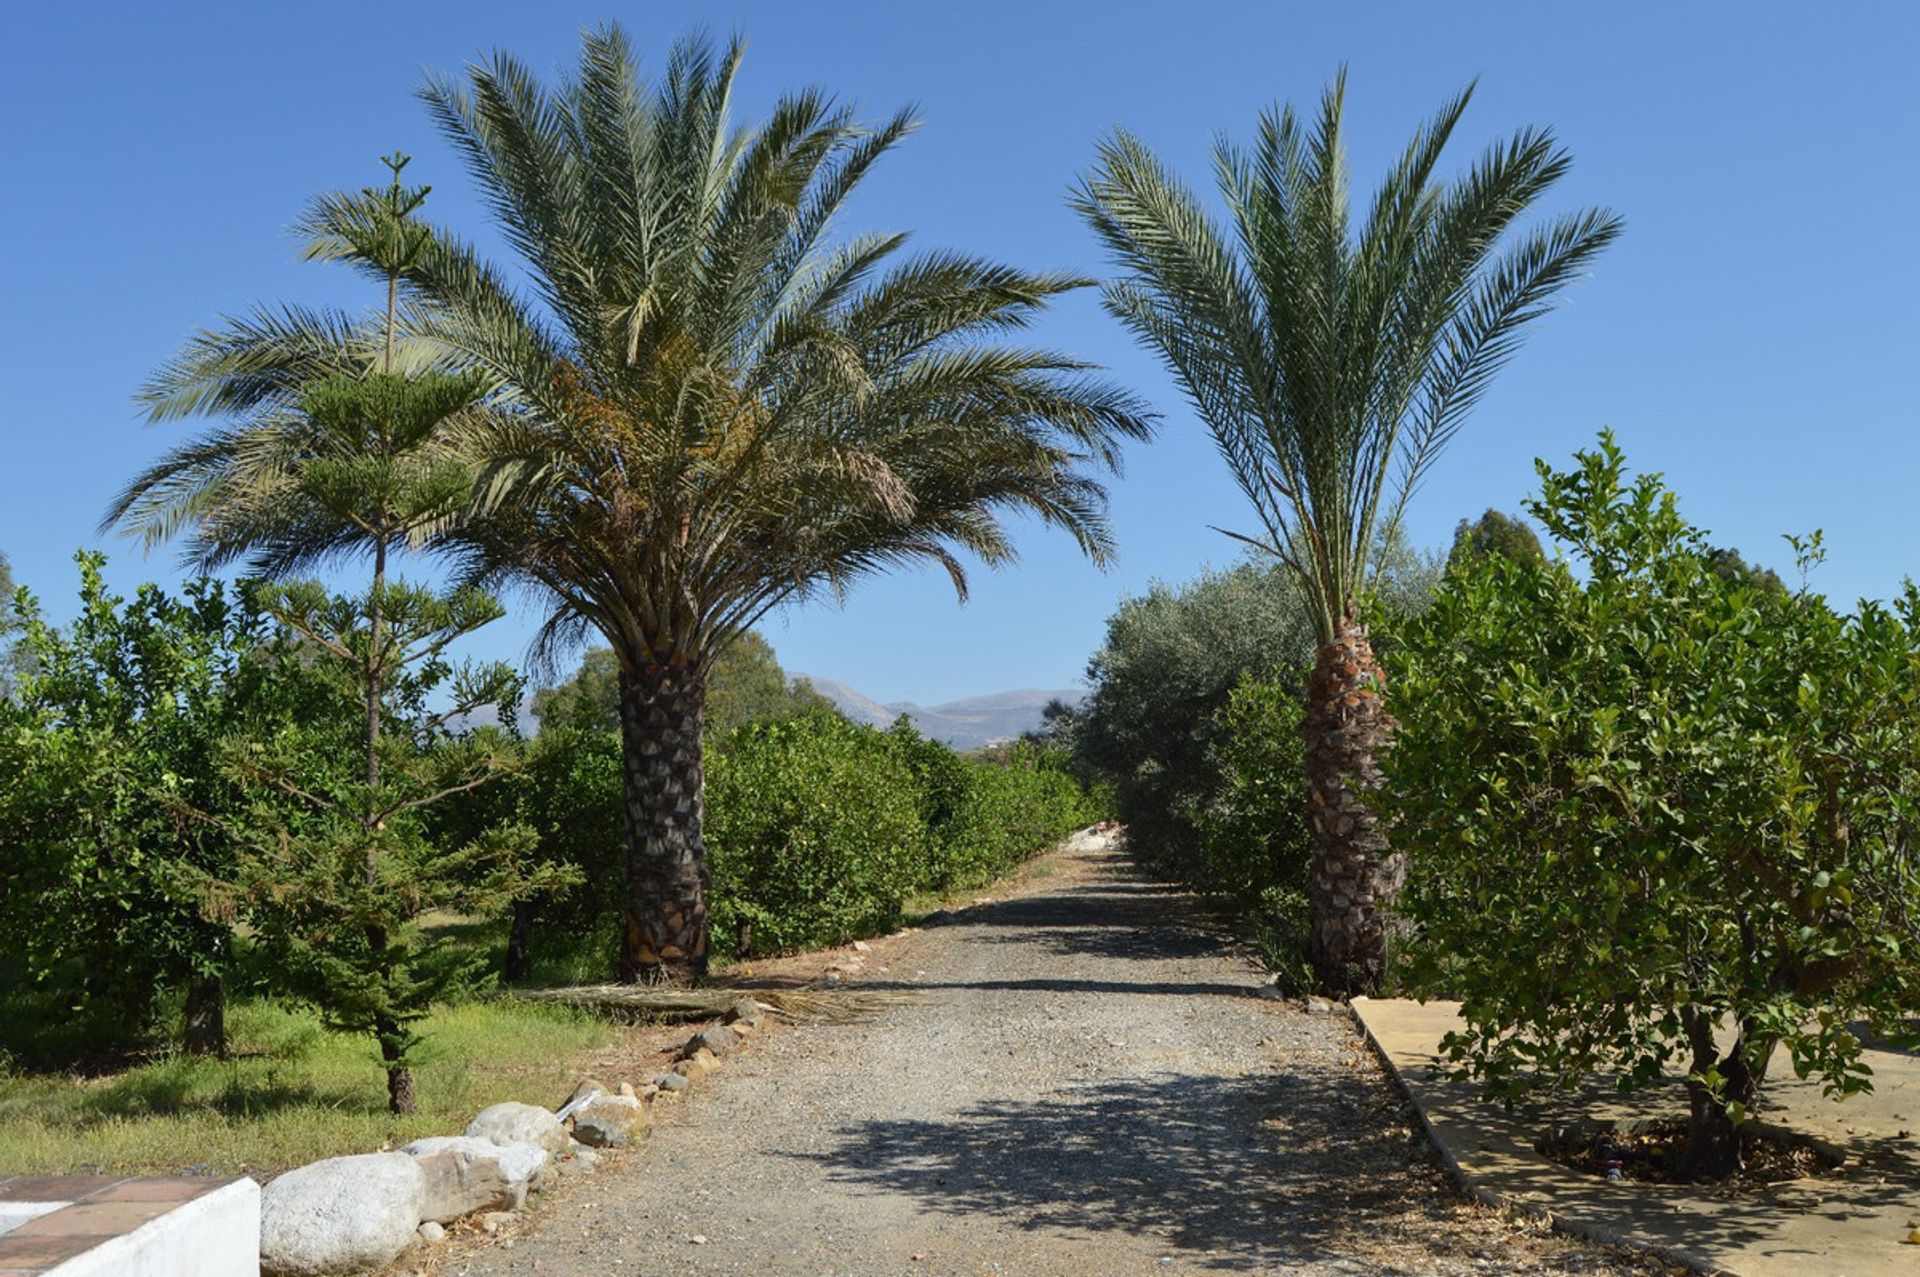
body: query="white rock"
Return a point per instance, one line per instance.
(432, 1234)
(609, 1121)
(465, 1174)
(340, 1215)
(512, 1123)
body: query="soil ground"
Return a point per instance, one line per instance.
(1088, 1083)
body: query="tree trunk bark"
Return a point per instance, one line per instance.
(1356, 874)
(206, 1017)
(519, 963)
(665, 939)
(1712, 1147)
(400, 1098)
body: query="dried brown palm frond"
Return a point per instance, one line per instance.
(813, 1006)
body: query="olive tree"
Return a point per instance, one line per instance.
(1657, 812)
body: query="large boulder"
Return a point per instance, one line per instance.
(340, 1215)
(465, 1175)
(513, 1123)
(609, 1121)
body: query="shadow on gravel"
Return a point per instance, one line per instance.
(1116, 916)
(1238, 1173)
(1046, 985)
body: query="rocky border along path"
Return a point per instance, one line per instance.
(1090, 1085)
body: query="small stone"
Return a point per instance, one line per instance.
(432, 1234)
(1319, 1006)
(832, 977)
(861, 946)
(671, 1084)
(697, 1065)
(698, 1239)
(745, 1011)
(626, 1089)
(1270, 993)
(586, 1090)
(717, 1038)
(609, 1121)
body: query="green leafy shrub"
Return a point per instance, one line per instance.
(109, 742)
(1007, 812)
(1654, 801)
(814, 834)
(1255, 841)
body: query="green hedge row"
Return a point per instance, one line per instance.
(819, 830)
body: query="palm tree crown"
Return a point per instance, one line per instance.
(1332, 364)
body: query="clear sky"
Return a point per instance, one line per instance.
(1753, 335)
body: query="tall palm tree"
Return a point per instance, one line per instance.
(703, 406)
(1332, 364)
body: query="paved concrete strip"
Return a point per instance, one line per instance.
(1852, 1224)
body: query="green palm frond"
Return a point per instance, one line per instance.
(702, 403)
(1332, 364)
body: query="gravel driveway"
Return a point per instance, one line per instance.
(1089, 1086)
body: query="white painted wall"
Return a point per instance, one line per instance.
(216, 1235)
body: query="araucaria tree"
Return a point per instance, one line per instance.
(1332, 364)
(335, 451)
(706, 405)
(1662, 812)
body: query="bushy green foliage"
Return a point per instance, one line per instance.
(108, 745)
(1655, 799)
(1194, 724)
(1007, 810)
(1254, 838)
(1160, 682)
(745, 685)
(1495, 533)
(821, 829)
(814, 834)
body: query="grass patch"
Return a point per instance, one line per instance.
(292, 1093)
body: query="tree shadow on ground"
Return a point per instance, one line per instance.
(1241, 1173)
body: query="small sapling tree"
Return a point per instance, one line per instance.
(339, 868)
(1658, 812)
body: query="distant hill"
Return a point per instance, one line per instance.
(963, 724)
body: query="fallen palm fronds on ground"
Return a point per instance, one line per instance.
(818, 1006)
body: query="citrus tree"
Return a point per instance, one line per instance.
(1657, 812)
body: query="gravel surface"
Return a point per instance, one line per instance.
(1091, 1085)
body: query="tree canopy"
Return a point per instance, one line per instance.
(1658, 801)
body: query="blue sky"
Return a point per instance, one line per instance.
(1754, 334)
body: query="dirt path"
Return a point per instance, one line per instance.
(1090, 1086)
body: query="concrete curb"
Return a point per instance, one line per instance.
(1486, 1196)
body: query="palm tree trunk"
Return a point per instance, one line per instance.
(1356, 874)
(665, 940)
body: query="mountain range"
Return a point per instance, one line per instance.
(963, 724)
